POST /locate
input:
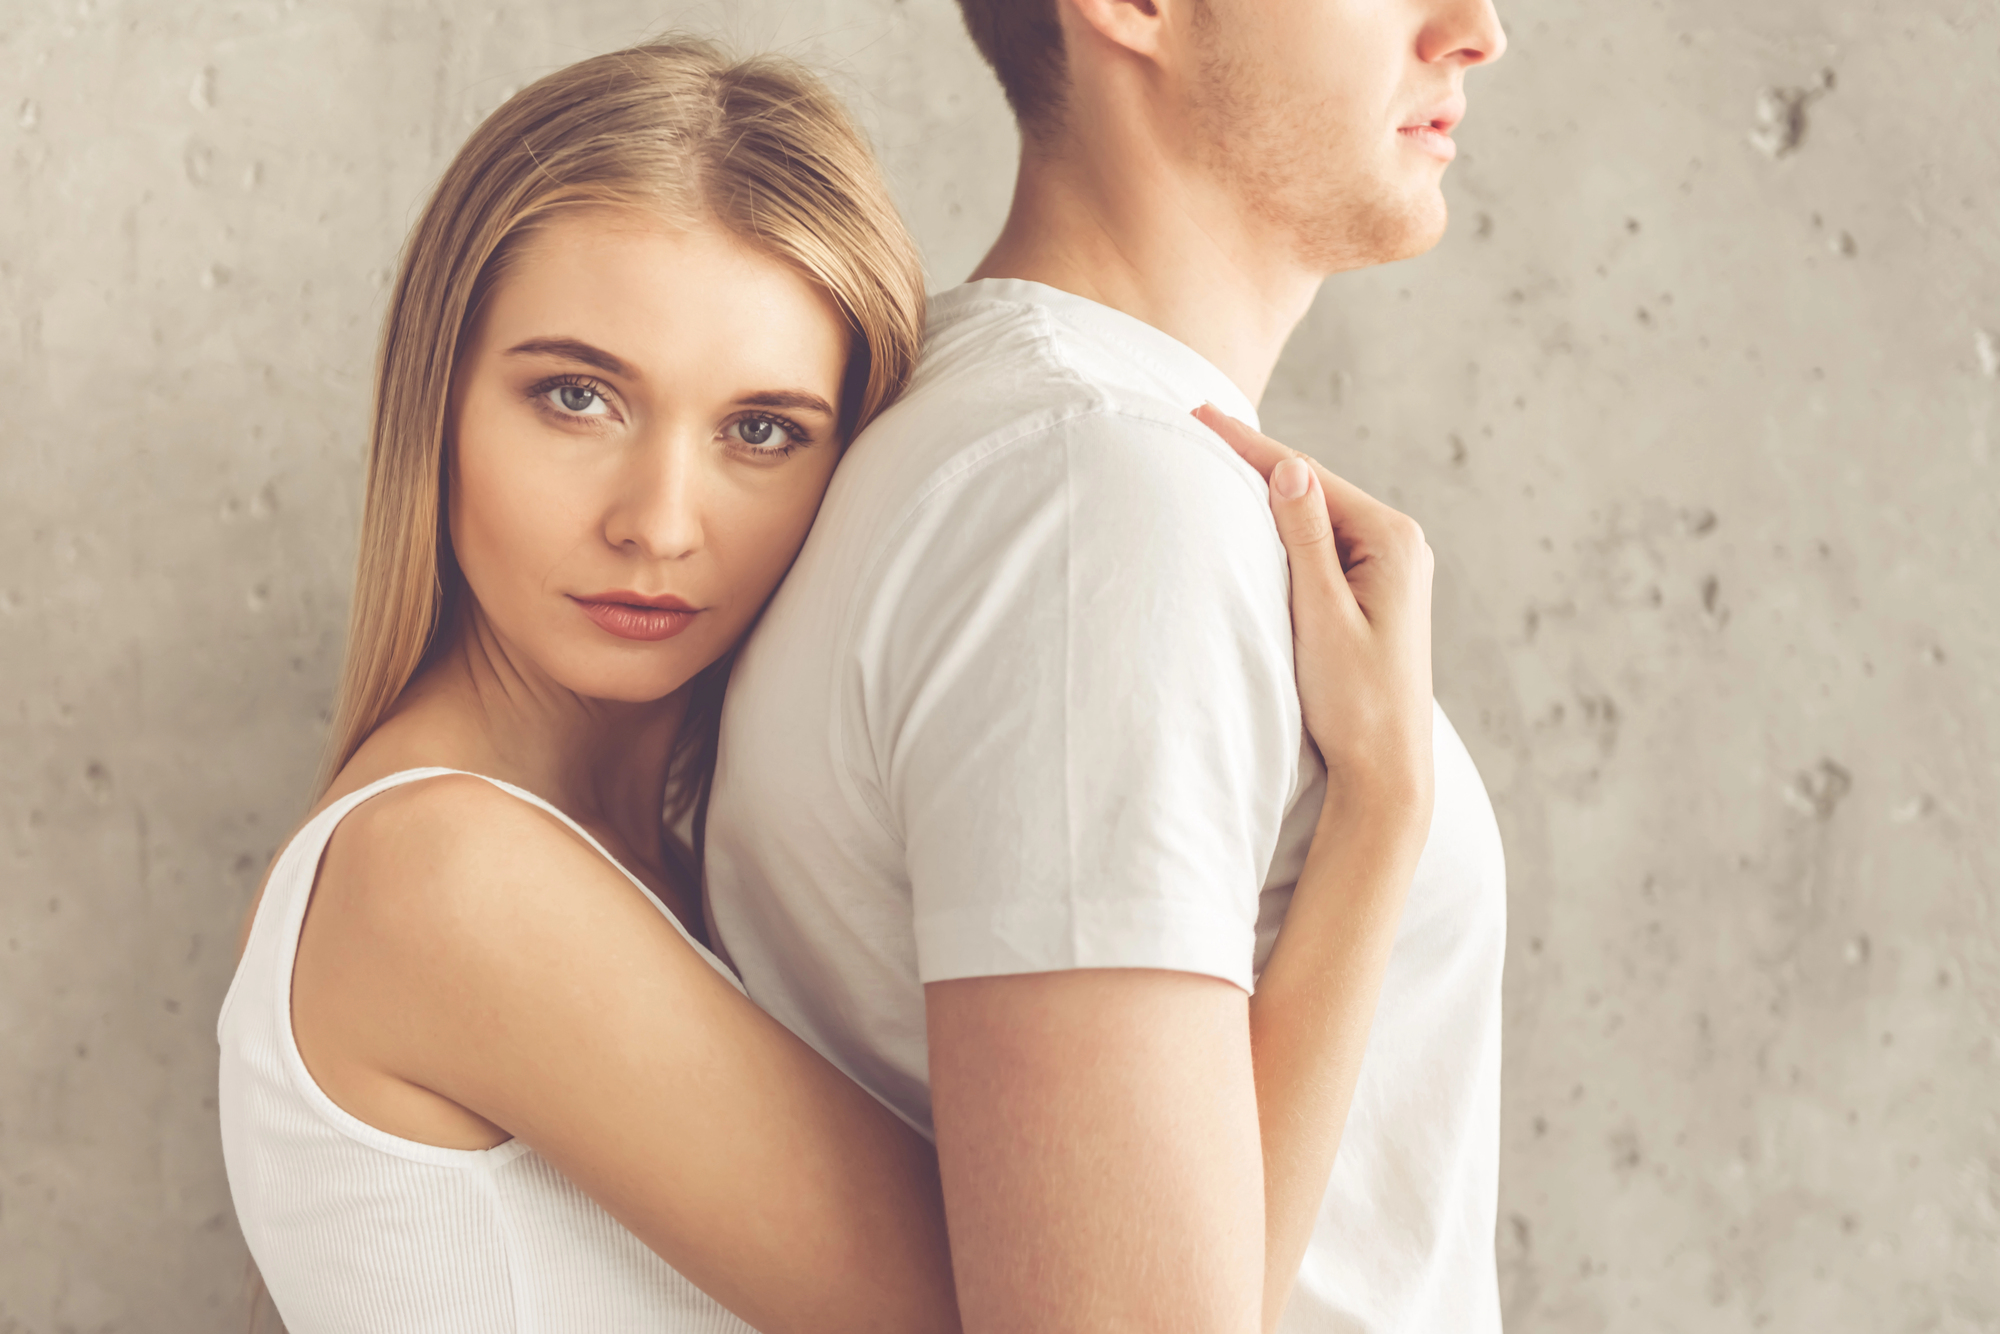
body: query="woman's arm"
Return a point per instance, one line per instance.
(462, 944)
(1310, 1017)
(1361, 586)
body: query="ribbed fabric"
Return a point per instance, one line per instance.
(360, 1232)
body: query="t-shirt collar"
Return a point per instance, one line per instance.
(1181, 371)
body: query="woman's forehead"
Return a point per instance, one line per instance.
(666, 301)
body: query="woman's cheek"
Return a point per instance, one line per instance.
(766, 533)
(509, 506)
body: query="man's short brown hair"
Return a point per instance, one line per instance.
(1022, 40)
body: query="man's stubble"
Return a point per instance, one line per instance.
(1301, 170)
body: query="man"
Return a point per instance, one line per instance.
(1013, 787)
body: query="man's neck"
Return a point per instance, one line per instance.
(1119, 229)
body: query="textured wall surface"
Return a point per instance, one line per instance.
(1699, 403)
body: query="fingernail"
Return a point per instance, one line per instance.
(1292, 478)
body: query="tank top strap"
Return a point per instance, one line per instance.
(603, 852)
(414, 775)
(281, 915)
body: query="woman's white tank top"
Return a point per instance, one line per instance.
(360, 1232)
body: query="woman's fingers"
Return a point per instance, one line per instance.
(1361, 593)
(1348, 506)
(1298, 505)
(1365, 532)
(1259, 451)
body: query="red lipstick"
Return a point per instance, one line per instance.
(637, 616)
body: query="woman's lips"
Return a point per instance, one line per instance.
(632, 616)
(1431, 140)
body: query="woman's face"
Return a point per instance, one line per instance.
(642, 425)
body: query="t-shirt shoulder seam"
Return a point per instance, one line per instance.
(1127, 348)
(975, 460)
(990, 450)
(966, 466)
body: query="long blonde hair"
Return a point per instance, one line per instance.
(677, 129)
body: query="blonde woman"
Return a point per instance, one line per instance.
(480, 1068)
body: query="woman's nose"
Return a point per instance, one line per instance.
(655, 508)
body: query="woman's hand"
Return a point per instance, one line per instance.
(1361, 624)
(1361, 630)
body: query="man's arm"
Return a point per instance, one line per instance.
(1083, 719)
(1097, 1136)
(1091, 1124)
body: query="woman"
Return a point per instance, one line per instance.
(479, 1069)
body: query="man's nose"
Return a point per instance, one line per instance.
(1467, 31)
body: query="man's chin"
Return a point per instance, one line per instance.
(1403, 229)
(1424, 232)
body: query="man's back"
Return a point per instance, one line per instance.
(1025, 705)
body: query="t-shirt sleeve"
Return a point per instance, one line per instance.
(1078, 705)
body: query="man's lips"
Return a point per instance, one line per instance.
(1431, 140)
(1432, 133)
(638, 615)
(1444, 117)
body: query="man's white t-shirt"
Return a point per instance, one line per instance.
(1026, 703)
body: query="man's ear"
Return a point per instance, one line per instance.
(1138, 26)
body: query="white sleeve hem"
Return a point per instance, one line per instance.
(1000, 940)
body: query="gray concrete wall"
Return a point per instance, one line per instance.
(1699, 403)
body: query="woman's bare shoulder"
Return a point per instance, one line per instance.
(454, 860)
(451, 931)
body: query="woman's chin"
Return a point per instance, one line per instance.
(613, 686)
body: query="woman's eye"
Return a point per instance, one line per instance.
(578, 400)
(761, 433)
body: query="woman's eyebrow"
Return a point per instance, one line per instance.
(798, 400)
(574, 349)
